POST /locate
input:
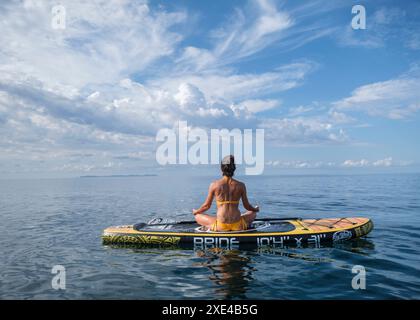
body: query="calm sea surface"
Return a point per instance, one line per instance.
(59, 222)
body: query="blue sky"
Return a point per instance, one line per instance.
(90, 98)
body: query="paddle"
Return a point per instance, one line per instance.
(192, 222)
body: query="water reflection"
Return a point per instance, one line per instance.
(361, 246)
(230, 271)
(235, 272)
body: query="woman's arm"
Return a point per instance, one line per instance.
(246, 203)
(207, 204)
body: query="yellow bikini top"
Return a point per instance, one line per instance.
(228, 179)
(226, 202)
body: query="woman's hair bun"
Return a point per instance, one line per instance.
(228, 166)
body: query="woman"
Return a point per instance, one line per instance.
(228, 192)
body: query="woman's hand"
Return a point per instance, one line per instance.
(195, 211)
(256, 209)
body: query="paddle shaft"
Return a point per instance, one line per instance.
(190, 222)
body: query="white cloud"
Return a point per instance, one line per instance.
(251, 29)
(381, 25)
(359, 163)
(254, 27)
(212, 112)
(356, 163)
(189, 98)
(339, 117)
(242, 38)
(102, 40)
(303, 131)
(259, 105)
(297, 111)
(233, 87)
(413, 42)
(387, 16)
(299, 164)
(387, 162)
(394, 99)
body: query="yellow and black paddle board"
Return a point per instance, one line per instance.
(275, 232)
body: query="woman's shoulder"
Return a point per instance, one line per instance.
(216, 182)
(240, 183)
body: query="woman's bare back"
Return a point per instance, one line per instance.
(228, 192)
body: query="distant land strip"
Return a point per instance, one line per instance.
(121, 176)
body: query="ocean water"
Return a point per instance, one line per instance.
(59, 222)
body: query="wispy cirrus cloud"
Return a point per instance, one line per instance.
(394, 99)
(382, 25)
(248, 31)
(103, 41)
(253, 28)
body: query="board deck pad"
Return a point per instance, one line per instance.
(262, 233)
(274, 226)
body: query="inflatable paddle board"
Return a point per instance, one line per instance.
(263, 232)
